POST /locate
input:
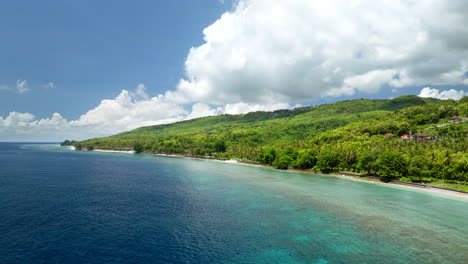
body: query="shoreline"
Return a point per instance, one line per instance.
(349, 176)
(115, 151)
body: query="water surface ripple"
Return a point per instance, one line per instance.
(62, 206)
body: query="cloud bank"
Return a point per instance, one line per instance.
(299, 50)
(127, 111)
(266, 55)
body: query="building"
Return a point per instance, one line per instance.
(455, 119)
(409, 137)
(423, 137)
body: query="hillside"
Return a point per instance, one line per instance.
(347, 135)
(274, 125)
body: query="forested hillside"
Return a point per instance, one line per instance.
(358, 135)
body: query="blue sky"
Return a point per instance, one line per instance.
(91, 50)
(80, 69)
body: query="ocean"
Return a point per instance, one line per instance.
(64, 206)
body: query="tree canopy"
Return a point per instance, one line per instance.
(358, 135)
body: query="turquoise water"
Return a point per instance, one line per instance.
(63, 206)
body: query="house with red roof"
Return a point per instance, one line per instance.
(407, 137)
(421, 137)
(455, 119)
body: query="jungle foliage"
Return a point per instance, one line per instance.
(347, 135)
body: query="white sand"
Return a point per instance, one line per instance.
(115, 151)
(397, 185)
(231, 161)
(434, 191)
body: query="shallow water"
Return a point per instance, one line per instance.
(63, 206)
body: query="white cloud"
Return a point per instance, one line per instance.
(140, 92)
(17, 119)
(22, 86)
(297, 50)
(369, 82)
(127, 111)
(49, 85)
(243, 108)
(266, 55)
(201, 110)
(428, 92)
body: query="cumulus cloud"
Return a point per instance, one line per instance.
(201, 110)
(266, 55)
(127, 111)
(428, 92)
(297, 50)
(23, 126)
(109, 117)
(140, 92)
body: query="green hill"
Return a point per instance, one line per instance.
(318, 118)
(346, 135)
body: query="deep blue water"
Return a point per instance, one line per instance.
(63, 206)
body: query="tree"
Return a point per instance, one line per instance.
(367, 161)
(290, 151)
(328, 160)
(419, 167)
(268, 155)
(138, 148)
(68, 142)
(459, 167)
(391, 164)
(220, 146)
(283, 161)
(285, 158)
(306, 159)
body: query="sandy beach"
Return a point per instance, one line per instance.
(115, 151)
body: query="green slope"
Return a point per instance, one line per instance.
(330, 136)
(282, 124)
(321, 118)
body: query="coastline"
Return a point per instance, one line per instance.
(425, 188)
(115, 151)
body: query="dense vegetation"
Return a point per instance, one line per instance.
(68, 143)
(347, 135)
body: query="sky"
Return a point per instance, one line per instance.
(81, 69)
